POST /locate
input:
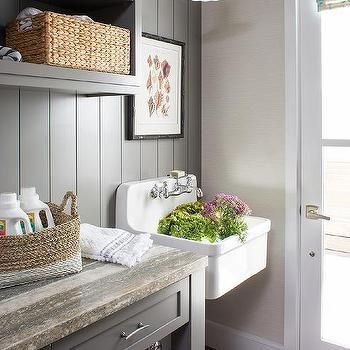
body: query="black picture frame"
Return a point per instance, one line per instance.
(131, 115)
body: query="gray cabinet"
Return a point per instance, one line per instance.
(138, 326)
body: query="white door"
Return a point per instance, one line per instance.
(325, 177)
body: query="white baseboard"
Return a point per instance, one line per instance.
(221, 337)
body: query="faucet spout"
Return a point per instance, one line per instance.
(162, 190)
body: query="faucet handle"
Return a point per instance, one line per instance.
(199, 193)
(165, 190)
(155, 192)
(189, 181)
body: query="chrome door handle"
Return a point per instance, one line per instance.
(313, 214)
(140, 327)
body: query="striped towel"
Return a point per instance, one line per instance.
(25, 18)
(6, 53)
(113, 245)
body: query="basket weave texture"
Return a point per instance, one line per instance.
(61, 40)
(51, 252)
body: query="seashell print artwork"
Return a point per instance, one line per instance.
(158, 109)
(158, 86)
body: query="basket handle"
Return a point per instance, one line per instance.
(74, 204)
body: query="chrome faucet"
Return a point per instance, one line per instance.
(179, 188)
(162, 190)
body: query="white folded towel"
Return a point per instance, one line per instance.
(84, 18)
(113, 245)
(25, 18)
(27, 13)
(8, 54)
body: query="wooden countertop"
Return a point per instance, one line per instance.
(35, 315)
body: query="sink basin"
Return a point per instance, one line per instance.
(231, 262)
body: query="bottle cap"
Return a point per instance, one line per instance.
(28, 193)
(8, 201)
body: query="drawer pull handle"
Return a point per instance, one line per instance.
(140, 327)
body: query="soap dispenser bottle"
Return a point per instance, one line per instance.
(33, 206)
(12, 217)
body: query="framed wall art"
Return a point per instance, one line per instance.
(157, 111)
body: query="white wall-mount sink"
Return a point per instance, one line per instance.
(231, 262)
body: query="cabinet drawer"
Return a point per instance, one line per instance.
(137, 326)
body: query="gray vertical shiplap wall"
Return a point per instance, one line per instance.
(181, 33)
(34, 140)
(63, 146)
(88, 158)
(149, 154)
(58, 141)
(9, 139)
(165, 29)
(179, 20)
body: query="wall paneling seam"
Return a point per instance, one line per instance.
(50, 146)
(173, 37)
(100, 143)
(19, 175)
(157, 141)
(121, 138)
(76, 143)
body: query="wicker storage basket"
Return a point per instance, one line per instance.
(66, 41)
(52, 252)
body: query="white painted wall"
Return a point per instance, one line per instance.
(243, 144)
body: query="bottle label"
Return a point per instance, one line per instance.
(31, 218)
(2, 228)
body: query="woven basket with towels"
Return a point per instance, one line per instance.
(52, 252)
(66, 41)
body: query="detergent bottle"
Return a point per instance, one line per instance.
(13, 220)
(33, 206)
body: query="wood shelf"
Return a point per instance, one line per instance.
(127, 15)
(81, 81)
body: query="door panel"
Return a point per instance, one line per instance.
(325, 181)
